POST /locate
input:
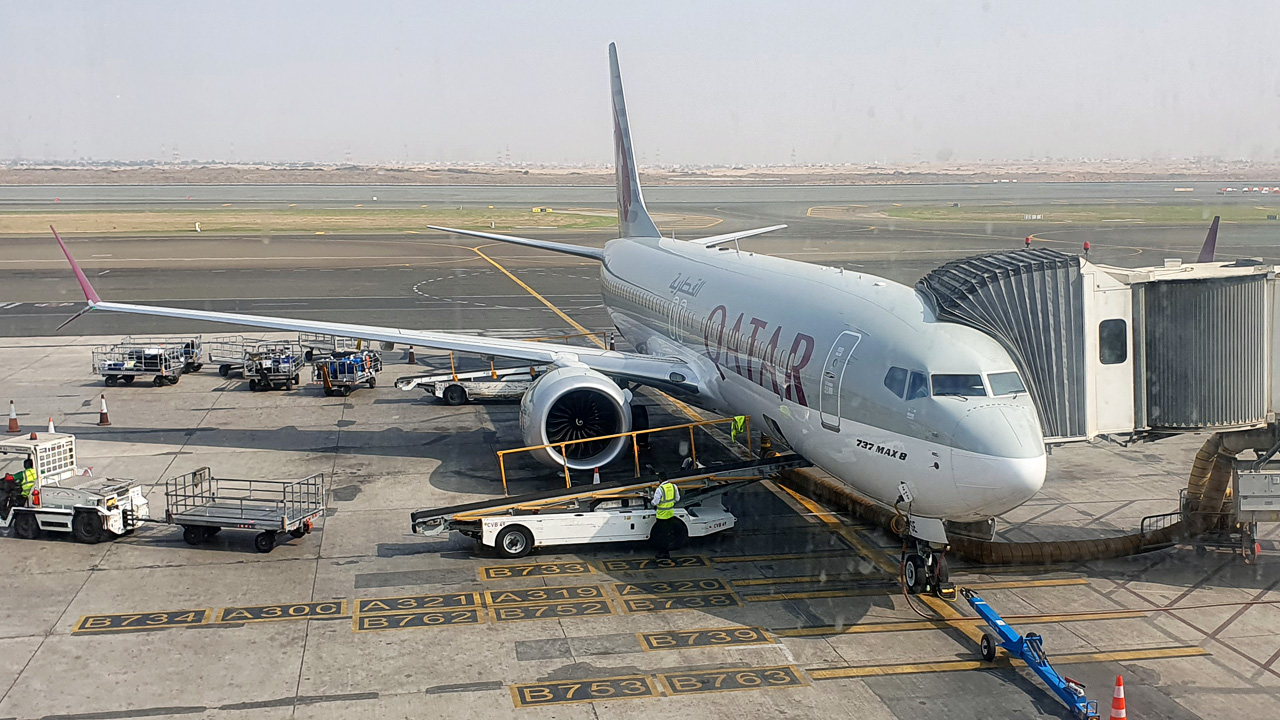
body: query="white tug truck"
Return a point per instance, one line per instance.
(93, 511)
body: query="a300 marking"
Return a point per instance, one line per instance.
(138, 621)
(294, 611)
(544, 594)
(713, 637)
(547, 611)
(418, 619)
(556, 693)
(370, 606)
(735, 679)
(504, 572)
(680, 602)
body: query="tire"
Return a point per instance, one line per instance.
(128, 379)
(914, 573)
(265, 541)
(86, 527)
(193, 534)
(640, 421)
(345, 390)
(288, 385)
(454, 395)
(328, 392)
(987, 646)
(110, 380)
(224, 370)
(514, 541)
(26, 526)
(253, 385)
(941, 570)
(158, 381)
(197, 367)
(373, 383)
(173, 379)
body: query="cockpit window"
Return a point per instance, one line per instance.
(1006, 383)
(917, 386)
(896, 380)
(963, 385)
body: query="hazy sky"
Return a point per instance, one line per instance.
(707, 82)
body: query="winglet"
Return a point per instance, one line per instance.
(90, 295)
(1210, 242)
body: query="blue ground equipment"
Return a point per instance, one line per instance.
(342, 372)
(1030, 649)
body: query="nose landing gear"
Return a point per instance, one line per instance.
(925, 572)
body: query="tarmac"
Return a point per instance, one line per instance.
(794, 613)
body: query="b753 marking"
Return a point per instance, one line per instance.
(575, 691)
(734, 679)
(371, 606)
(671, 587)
(294, 611)
(712, 637)
(418, 619)
(680, 602)
(505, 572)
(138, 621)
(544, 594)
(549, 611)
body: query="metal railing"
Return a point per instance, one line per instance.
(291, 500)
(635, 448)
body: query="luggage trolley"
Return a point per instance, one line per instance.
(271, 365)
(319, 345)
(341, 373)
(203, 505)
(227, 352)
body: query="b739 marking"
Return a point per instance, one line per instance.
(712, 637)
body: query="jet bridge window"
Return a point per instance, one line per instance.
(962, 385)
(896, 381)
(1006, 383)
(1113, 343)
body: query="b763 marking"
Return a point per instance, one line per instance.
(506, 572)
(544, 594)
(418, 619)
(680, 602)
(371, 606)
(549, 611)
(138, 621)
(294, 611)
(575, 691)
(734, 679)
(671, 587)
(712, 637)
(683, 561)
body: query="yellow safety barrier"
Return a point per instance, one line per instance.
(635, 449)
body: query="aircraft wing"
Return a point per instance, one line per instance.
(663, 373)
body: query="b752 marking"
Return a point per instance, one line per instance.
(139, 621)
(550, 611)
(575, 691)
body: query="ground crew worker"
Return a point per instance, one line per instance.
(737, 427)
(666, 527)
(27, 478)
(1027, 243)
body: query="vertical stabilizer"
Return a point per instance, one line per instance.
(1210, 242)
(633, 217)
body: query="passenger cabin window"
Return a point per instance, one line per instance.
(896, 381)
(962, 385)
(1005, 383)
(1113, 345)
(917, 386)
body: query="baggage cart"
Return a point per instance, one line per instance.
(272, 365)
(343, 372)
(192, 348)
(227, 352)
(202, 505)
(122, 364)
(319, 345)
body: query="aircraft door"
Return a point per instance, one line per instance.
(833, 373)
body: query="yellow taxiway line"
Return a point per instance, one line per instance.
(952, 615)
(910, 625)
(1002, 662)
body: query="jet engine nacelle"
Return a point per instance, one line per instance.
(574, 403)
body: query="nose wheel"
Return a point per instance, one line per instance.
(925, 572)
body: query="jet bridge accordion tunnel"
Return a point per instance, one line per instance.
(1135, 354)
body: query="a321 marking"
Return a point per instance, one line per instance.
(370, 606)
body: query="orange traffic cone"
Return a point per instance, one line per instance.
(595, 479)
(1117, 700)
(413, 359)
(51, 426)
(13, 418)
(102, 415)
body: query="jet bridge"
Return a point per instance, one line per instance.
(1136, 353)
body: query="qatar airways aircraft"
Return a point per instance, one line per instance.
(853, 371)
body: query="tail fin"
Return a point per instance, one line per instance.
(1210, 242)
(633, 217)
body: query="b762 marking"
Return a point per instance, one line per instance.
(419, 619)
(140, 621)
(575, 691)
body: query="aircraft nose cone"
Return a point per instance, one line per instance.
(999, 460)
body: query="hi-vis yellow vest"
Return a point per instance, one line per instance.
(666, 506)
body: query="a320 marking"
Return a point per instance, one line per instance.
(548, 611)
(504, 572)
(140, 621)
(671, 587)
(556, 693)
(712, 637)
(293, 611)
(733, 679)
